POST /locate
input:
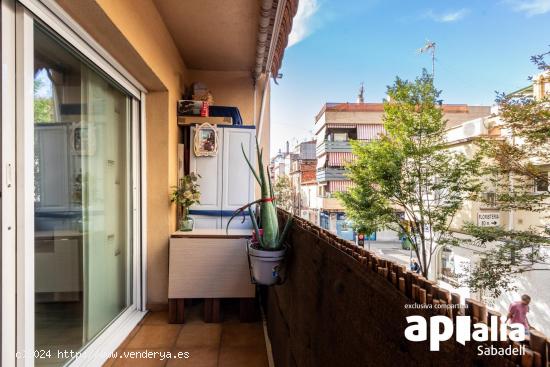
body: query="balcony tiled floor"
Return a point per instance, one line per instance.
(227, 344)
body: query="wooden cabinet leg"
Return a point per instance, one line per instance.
(248, 310)
(172, 305)
(181, 311)
(176, 311)
(212, 310)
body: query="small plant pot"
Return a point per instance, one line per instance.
(265, 265)
(186, 224)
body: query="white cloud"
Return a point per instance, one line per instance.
(531, 7)
(302, 25)
(446, 17)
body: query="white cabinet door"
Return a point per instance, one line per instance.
(210, 170)
(52, 179)
(238, 184)
(206, 221)
(237, 223)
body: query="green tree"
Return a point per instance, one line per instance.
(283, 192)
(43, 106)
(517, 173)
(407, 180)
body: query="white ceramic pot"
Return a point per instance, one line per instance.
(265, 265)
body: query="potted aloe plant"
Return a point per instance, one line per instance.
(266, 250)
(184, 195)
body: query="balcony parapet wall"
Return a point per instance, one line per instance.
(341, 305)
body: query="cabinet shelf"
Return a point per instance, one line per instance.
(192, 120)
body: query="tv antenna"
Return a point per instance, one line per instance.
(429, 47)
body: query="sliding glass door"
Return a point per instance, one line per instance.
(82, 198)
(71, 255)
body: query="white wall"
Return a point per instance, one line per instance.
(536, 285)
(533, 283)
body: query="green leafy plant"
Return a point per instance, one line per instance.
(186, 193)
(270, 238)
(407, 180)
(283, 192)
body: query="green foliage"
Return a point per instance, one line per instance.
(516, 252)
(269, 238)
(43, 107)
(513, 165)
(407, 181)
(283, 192)
(186, 193)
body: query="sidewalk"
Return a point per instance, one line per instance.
(391, 250)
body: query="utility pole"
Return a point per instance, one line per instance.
(430, 47)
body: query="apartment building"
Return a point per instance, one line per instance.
(450, 263)
(303, 180)
(277, 165)
(335, 126)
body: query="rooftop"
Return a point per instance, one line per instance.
(379, 107)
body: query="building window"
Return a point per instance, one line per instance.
(489, 199)
(321, 191)
(541, 183)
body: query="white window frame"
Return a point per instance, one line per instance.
(24, 129)
(7, 175)
(17, 217)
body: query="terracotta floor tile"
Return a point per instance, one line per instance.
(198, 357)
(243, 357)
(136, 361)
(156, 318)
(109, 363)
(243, 335)
(199, 335)
(155, 336)
(229, 344)
(50, 363)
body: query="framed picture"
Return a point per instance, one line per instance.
(205, 142)
(82, 140)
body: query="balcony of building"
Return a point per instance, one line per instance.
(337, 305)
(331, 174)
(330, 203)
(328, 146)
(93, 245)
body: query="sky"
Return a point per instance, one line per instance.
(483, 46)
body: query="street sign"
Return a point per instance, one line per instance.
(488, 219)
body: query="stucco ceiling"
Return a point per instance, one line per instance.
(213, 34)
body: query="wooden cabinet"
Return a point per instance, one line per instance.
(208, 264)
